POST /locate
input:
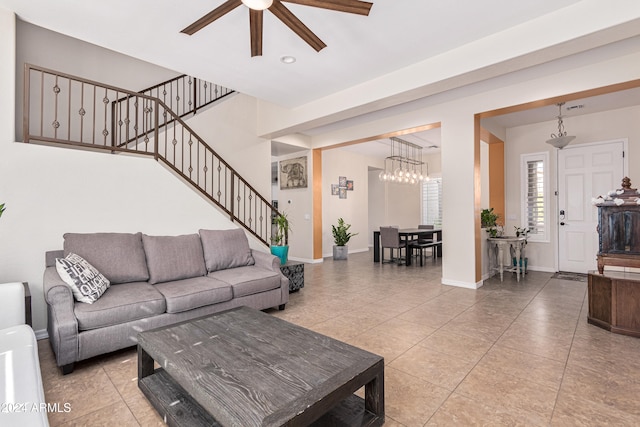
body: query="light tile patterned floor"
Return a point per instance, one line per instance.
(505, 354)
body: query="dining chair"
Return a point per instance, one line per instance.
(431, 239)
(390, 238)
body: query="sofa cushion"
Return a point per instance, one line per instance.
(187, 294)
(225, 249)
(248, 280)
(173, 257)
(118, 256)
(120, 304)
(86, 283)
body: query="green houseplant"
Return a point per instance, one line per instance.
(2, 208)
(280, 240)
(489, 220)
(341, 237)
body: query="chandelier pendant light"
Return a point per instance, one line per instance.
(404, 165)
(561, 139)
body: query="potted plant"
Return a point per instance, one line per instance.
(2, 208)
(280, 240)
(341, 237)
(489, 221)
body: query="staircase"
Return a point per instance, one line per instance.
(66, 110)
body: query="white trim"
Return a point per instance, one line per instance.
(459, 284)
(41, 334)
(305, 260)
(524, 158)
(355, 251)
(542, 269)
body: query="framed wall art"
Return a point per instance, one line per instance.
(293, 173)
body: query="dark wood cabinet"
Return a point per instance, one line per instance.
(614, 302)
(619, 228)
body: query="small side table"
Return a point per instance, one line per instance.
(294, 271)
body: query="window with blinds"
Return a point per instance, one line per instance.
(535, 200)
(432, 202)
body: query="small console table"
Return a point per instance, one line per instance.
(614, 302)
(294, 271)
(499, 244)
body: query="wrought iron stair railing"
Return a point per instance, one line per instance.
(184, 95)
(67, 110)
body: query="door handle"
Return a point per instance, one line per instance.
(562, 223)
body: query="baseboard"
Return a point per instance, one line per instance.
(305, 260)
(41, 334)
(459, 284)
(543, 269)
(355, 251)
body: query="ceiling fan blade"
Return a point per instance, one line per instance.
(349, 6)
(207, 19)
(291, 21)
(255, 23)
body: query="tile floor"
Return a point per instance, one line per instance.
(505, 354)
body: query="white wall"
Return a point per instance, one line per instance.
(297, 203)
(606, 126)
(38, 46)
(353, 209)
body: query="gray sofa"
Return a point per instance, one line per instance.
(155, 281)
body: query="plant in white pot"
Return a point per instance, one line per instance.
(280, 240)
(341, 237)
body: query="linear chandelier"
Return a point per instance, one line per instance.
(404, 165)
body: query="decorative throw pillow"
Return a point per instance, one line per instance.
(85, 281)
(225, 249)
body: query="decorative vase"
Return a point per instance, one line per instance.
(523, 268)
(340, 252)
(281, 252)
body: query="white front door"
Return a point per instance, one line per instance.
(584, 171)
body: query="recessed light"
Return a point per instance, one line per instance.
(287, 59)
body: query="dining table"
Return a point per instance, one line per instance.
(406, 236)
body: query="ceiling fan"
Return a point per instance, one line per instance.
(257, 7)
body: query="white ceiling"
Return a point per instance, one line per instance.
(396, 34)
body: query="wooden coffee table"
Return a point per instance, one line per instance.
(243, 367)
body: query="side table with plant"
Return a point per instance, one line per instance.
(489, 221)
(341, 237)
(280, 240)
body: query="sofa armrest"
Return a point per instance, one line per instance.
(272, 262)
(21, 379)
(62, 324)
(265, 260)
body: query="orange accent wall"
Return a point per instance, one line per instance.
(496, 179)
(317, 204)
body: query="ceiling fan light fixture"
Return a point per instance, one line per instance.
(257, 4)
(288, 59)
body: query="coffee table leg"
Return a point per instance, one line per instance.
(145, 363)
(374, 393)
